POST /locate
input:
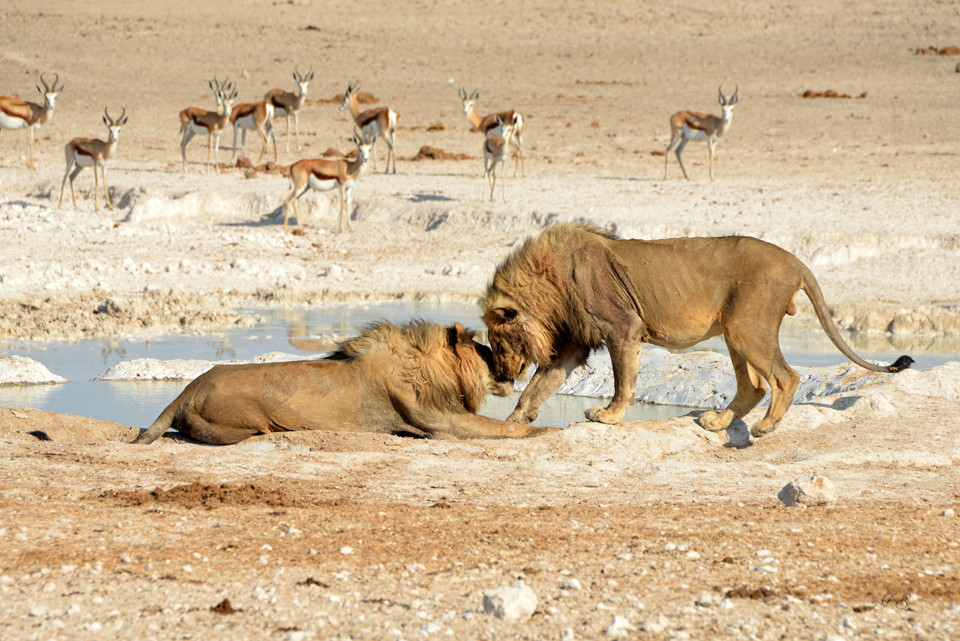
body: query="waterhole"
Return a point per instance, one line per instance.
(304, 331)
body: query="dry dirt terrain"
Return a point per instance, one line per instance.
(649, 530)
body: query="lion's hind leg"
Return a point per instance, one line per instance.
(784, 381)
(750, 391)
(755, 342)
(200, 429)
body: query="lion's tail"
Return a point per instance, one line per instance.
(812, 289)
(159, 426)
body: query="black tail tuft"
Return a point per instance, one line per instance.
(901, 363)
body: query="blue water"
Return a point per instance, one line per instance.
(139, 402)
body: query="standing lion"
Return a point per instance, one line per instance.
(419, 378)
(576, 288)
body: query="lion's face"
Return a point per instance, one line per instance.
(496, 385)
(508, 342)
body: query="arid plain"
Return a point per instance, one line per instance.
(668, 534)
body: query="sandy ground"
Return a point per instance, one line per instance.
(324, 536)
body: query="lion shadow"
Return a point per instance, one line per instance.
(738, 433)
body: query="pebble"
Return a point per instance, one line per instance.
(653, 626)
(571, 584)
(512, 603)
(813, 490)
(620, 627)
(947, 512)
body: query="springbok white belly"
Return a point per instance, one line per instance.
(322, 185)
(9, 122)
(246, 122)
(197, 129)
(83, 161)
(694, 134)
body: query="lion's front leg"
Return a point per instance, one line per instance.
(545, 381)
(625, 358)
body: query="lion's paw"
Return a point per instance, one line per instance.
(762, 428)
(712, 421)
(516, 416)
(603, 415)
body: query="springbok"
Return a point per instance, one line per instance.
(693, 125)
(373, 124)
(257, 116)
(324, 175)
(17, 113)
(495, 151)
(286, 103)
(488, 123)
(92, 152)
(194, 120)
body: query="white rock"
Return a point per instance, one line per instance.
(814, 490)
(948, 512)
(571, 584)
(705, 379)
(620, 627)
(512, 603)
(25, 371)
(653, 626)
(181, 369)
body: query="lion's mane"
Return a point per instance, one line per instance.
(427, 357)
(530, 281)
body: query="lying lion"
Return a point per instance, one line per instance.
(576, 288)
(420, 378)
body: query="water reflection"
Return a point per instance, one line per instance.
(904, 344)
(28, 395)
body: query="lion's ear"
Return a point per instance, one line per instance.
(500, 316)
(458, 334)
